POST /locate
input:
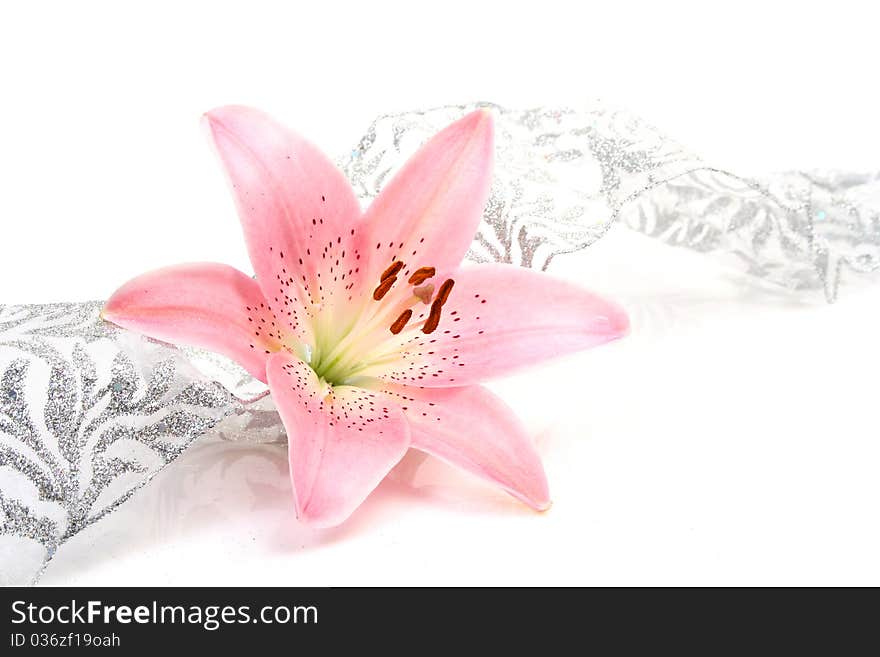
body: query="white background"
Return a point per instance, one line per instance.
(731, 439)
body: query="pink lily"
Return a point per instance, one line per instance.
(371, 337)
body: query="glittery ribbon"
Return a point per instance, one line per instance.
(563, 177)
(90, 413)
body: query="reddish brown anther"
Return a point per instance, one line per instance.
(434, 318)
(383, 288)
(392, 270)
(445, 289)
(401, 321)
(421, 274)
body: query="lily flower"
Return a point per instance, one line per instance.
(370, 335)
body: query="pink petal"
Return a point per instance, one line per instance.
(428, 213)
(341, 441)
(299, 213)
(499, 318)
(472, 429)
(204, 305)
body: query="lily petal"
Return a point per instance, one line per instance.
(428, 213)
(299, 213)
(205, 305)
(499, 318)
(342, 441)
(473, 429)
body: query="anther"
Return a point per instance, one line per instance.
(383, 288)
(445, 289)
(434, 318)
(401, 321)
(392, 270)
(421, 274)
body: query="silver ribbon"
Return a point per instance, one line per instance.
(563, 177)
(90, 413)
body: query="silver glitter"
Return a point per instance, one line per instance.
(563, 177)
(88, 414)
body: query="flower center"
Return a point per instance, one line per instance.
(383, 329)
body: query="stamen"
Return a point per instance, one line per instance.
(392, 270)
(383, 288)
(401, 321)
(434, 318)
(445, 289)
(424, 292)
(421, 274)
